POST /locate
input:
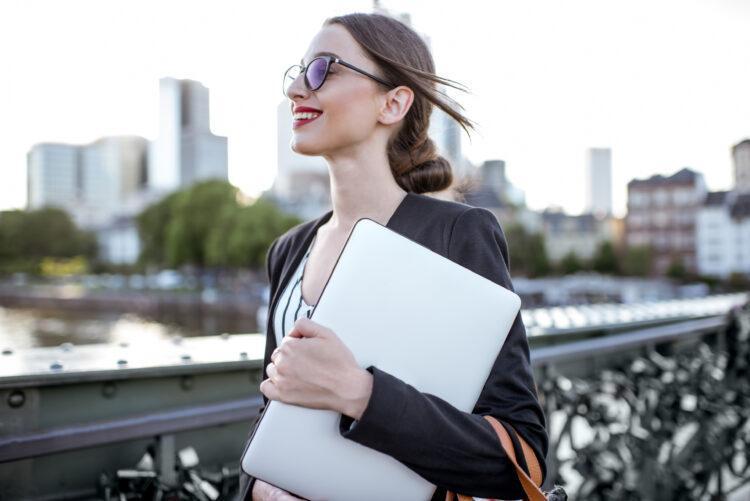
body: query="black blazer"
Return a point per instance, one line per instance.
(454, 450)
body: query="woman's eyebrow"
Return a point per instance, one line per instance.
(323, 53)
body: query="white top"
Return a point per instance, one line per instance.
(291, 306)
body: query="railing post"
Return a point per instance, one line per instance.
(166, 456)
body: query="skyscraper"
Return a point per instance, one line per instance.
(186, 151)
(599, 181)
(91, 181)
(741, 156)
(53, 178)
(112, 169)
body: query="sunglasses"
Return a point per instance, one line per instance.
(317, 71)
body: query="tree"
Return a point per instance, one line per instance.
(637, 261)
(27, 237)
(153, 223)
(570, 263)
(205, 225)
(195, 213)
(677, 270)
(242, 237)
(605, 260)
(527, 251)
(174, 230)
(737, 281)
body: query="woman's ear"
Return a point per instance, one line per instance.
(396, 104)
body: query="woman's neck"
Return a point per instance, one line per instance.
(362, 186)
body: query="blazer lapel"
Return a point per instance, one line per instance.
(293, 260)
(298, 252)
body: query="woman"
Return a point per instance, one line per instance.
(362, 99)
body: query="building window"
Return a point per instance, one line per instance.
(661, 198)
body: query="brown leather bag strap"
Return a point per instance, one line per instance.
(535, 471)
(532, 490)
(530, 487)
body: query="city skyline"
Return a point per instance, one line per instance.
(681, 99)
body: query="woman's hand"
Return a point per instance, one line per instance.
(313, 368)
(267, 492)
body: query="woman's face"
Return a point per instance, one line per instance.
(349, 102)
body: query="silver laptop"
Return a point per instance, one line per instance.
(411, 312)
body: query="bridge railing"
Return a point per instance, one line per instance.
(649, 413)
(666, 417)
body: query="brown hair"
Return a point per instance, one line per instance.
(405, 59)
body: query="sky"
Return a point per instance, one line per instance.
(664, 84)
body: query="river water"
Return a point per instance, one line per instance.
(31, 327)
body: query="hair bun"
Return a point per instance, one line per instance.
(428, 176)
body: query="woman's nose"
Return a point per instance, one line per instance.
(297, 88)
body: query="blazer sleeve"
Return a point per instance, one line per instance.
(247, 481)
(456, 450)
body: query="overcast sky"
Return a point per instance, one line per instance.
(665, 84)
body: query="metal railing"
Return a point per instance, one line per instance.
(670, 419)
(670, 422)
(13, 448)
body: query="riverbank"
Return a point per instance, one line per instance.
(52, 315)
(143, 302)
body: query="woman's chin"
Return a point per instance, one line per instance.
(304, 147)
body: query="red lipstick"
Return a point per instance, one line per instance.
(306, 115)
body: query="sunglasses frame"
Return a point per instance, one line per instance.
(329, 60)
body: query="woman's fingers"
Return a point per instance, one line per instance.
(265, 491)
(306, 328)
(272, 371)
(268, 389)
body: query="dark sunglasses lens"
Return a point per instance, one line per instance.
(316, 72)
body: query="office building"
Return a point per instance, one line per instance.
(662, 214)
(599, 181)
(186, 151)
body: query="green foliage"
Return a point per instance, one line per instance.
(27, 237)
(152, 229)
(570, 263)
(527, 252)
(205, 225)
(196, 211)
(713, 282)
(242, 237)
(637, 261)
(605, 259)
(738, 282)
(677, 270)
